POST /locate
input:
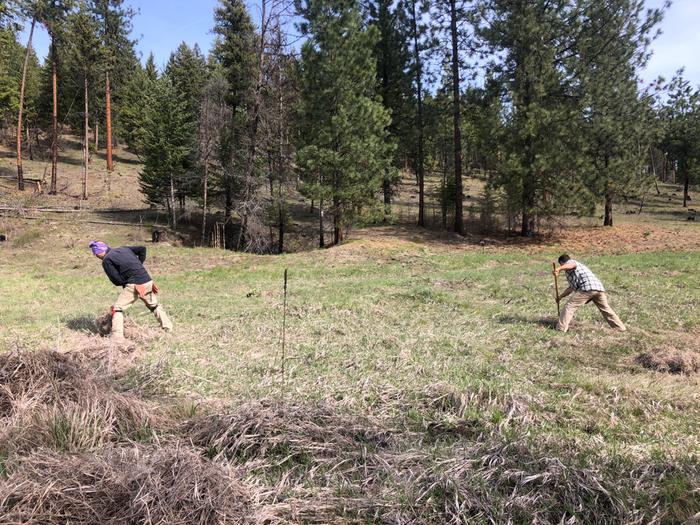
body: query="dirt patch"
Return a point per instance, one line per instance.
(132, 331)
(671, 361)
(625, 238)
(172, 484)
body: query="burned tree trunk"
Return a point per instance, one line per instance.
(54, 118)
(108, 103)
(86, 146)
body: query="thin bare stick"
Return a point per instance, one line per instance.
(556, 289)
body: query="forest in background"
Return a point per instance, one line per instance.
(540, 101)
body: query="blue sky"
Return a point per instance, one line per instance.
(162, 24)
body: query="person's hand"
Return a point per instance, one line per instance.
(555, 272)
(155, 288)
(141, 290)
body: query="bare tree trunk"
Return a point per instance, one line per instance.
(321, 227)
(204, 207)
(280, 210)
(22, 88)
(173, 213)
(96, 134)
(419, 89)
(608, 220)
(86, 146)
(459, 220)
(686, 189)
(228, 213)
(337, 222)
(29, 140)
(54, 118)
(254, 127)
(108, 101)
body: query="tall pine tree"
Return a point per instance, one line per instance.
(344, 151)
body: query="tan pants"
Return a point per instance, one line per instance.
(128, 297)
(578, 299)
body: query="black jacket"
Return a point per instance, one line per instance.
(124, 265)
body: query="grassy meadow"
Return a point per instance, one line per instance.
(452, 342)
(421, 380)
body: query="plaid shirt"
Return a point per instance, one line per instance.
(582, 279)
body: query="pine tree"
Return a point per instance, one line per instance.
(538, 167)
(134, 98)
(344, 149)
(85, 57)
(167, 147)
(188, 73)
(20, 104)
(53, 14)
(452, 15)
(234, 50)
(417, 33)
(187, 69)
(613, 45)
(681, 141)
(119, 58)
(394, 81)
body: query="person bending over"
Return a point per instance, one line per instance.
(585, 287)
(124, 267)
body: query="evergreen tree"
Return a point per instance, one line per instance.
(344, 149)
(681, 141)
(188, 73)
(11, 56)
(134, 99)
(85, 60)
(234, 50)
(418, 32)
(538, 167)
(187, 69)
(53, 14)
(394, 81)
(166, 146)
(613, 45)
(119, 58)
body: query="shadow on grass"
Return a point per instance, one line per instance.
(547, 322)
(81, 323)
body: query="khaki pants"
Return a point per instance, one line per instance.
(578, 299)
(128, 297)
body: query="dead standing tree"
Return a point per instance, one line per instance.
(22, 89)
(214, 113)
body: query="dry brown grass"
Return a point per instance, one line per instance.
(161, 485)
(49, 399)
(670, 361)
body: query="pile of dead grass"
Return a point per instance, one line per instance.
(317, 443)
(671, 360)
(49, 399)
(171, 484)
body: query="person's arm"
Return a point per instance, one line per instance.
(566, 292)
(568, 265)
(112, 273)
(139, 251)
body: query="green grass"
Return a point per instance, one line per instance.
(369, 322)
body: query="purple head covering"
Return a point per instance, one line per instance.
(98, 247)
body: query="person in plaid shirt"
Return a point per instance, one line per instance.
(585, 287)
